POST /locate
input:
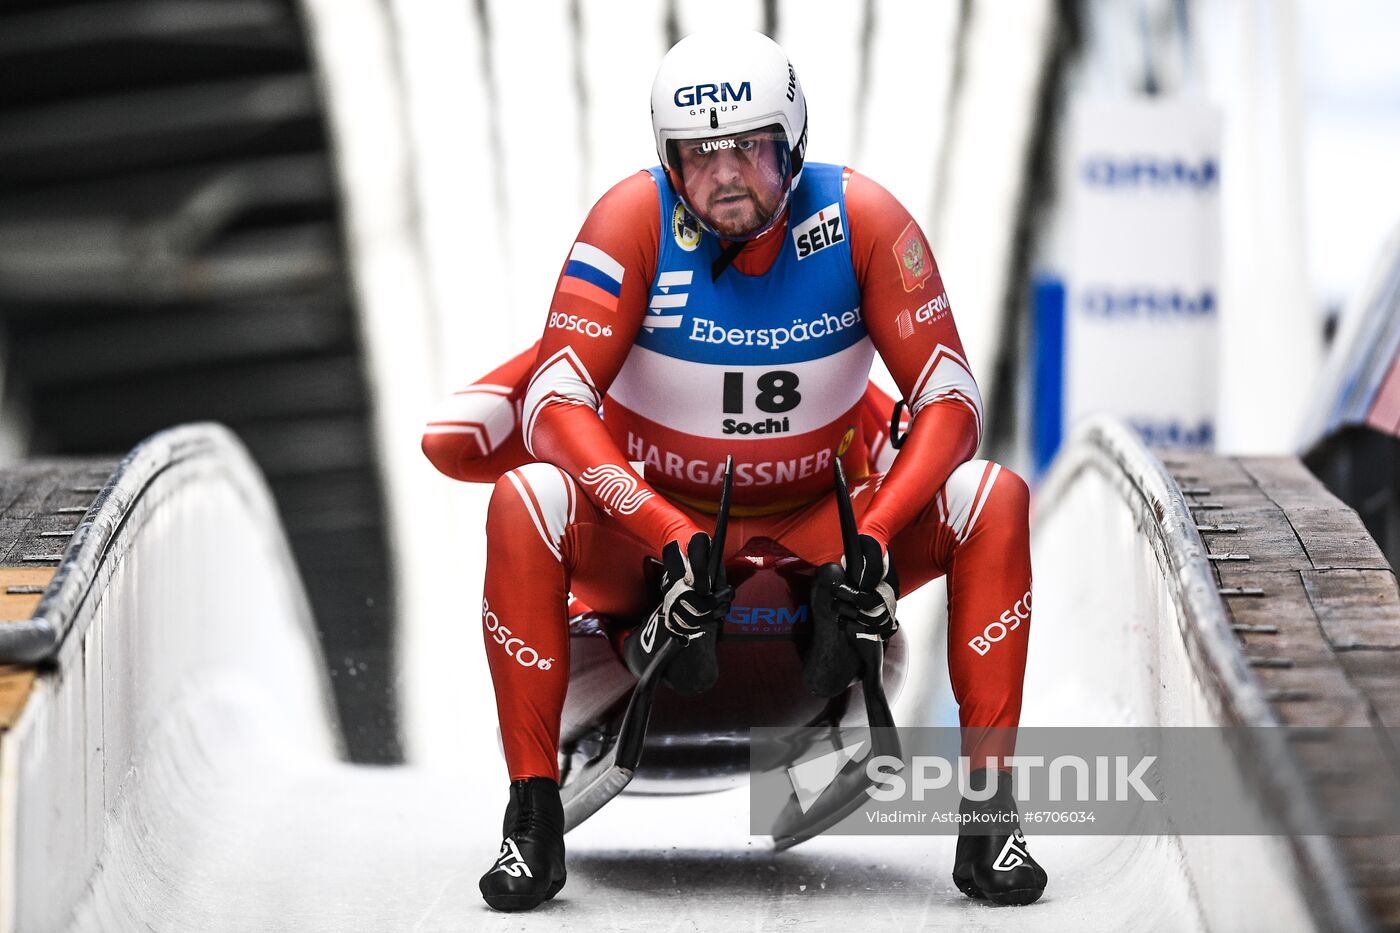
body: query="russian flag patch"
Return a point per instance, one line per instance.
(593, 275)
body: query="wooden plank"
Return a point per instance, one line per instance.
(1284, 606)
(1384, 901)
(1288, 483)
(1217, 481)
(1352, 807)
(1236, 498)
(1375, 859)
(1314, 694)
(1356, 608)
(1326, 625)
(18, 606)
(1376, 673)
(1296, 664)
(15, 686)
(1265, 535)
(17, 682)
(1336, 538)
(1212, 472)
(1383, 898)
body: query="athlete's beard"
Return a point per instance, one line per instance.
(740, 217)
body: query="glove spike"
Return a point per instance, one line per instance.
(850, 538)
(721, 528)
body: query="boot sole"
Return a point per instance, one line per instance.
(1019, 897)
(512, 903)
(695, 668)
(966, 886)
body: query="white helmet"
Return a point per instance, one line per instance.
(732, 98)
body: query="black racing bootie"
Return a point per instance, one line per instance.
(691, 610)
(530, 868)
(695, 668)
(691, 671)
(841, 613)
(831, 662)
(996, 865)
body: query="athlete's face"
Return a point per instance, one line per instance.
(734, 182)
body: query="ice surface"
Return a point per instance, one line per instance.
(339, 848)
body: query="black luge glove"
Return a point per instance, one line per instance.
(869, 603)
(689, 609)
(842, 612)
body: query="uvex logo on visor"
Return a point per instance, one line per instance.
(734, 183)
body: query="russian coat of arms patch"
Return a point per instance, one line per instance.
(912, 254)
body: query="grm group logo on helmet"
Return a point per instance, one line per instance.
(694, 94)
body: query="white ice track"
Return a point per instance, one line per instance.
(178, 772)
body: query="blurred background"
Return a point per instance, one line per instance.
(309, 220)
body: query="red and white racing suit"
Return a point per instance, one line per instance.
(570, 513)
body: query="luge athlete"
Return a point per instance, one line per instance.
(730, 301)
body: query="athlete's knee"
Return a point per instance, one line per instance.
(535, 499)
(981, 492)
(1010, 497)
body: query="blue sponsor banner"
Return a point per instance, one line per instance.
(1048, 402)
(1137, 313)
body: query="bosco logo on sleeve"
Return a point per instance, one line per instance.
(582, 325)
(912, 255)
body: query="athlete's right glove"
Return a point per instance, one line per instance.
(689, 607)
(870, 600)
(691, 610)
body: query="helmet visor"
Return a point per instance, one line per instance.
(736, 184)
